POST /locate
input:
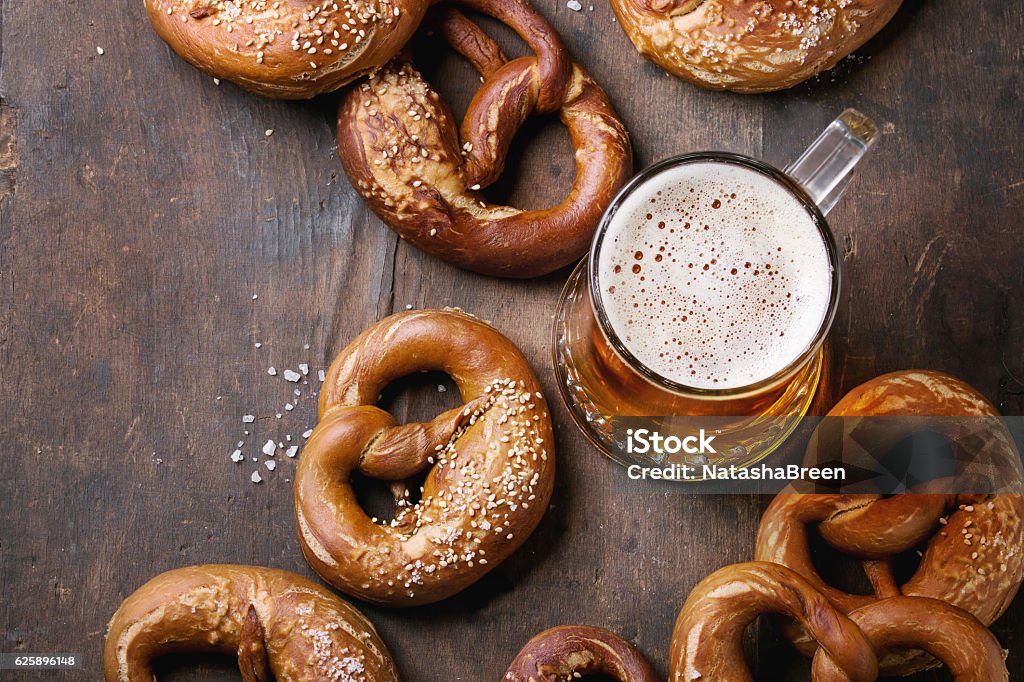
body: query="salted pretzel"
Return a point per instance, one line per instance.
(404, 154)
(280, 625)
(973, 556)
(491, 462)
(288, 49)
(707, 642)
(570, 652)
(749, 45)
(953, 636)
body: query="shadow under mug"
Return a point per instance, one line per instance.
(601, 380)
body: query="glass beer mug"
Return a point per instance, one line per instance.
(709, 290)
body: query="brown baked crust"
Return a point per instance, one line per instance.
(750, 45)
(569, 652)
(273, 620)
(403, 152)
(953, 636)
(974, 554)
(287, 49)
(491, 462)
(707, 641)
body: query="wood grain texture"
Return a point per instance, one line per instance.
(142, 206)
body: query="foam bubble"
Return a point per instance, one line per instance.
(714, 276)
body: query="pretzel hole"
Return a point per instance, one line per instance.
(836, 568)
(420, 397)
(192, 665)
(376, 497)
(541, 149)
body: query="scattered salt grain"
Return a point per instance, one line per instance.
(291, 375)
(292, 451)
(307, 433)
(237, 456)
(256, 478)
(270, 464)
(269, 448)
(304, 368)
(574, 5)
(320, 375)
(441, 388)
(289, 407)
(248, 418)
(99, 50)
(269, 132)
(258, 344)
(272, 371)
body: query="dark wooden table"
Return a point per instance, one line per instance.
(151, 234)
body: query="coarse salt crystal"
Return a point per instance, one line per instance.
(269, 448)
(272, 371)
(574, 5)
(291, 375)
(320, 375)
(270, 464)
(248, 418)
(256, 478)
(237, 456)
(304, 368)
(292, 451)
(307, 433)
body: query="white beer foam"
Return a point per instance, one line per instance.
(714, 276)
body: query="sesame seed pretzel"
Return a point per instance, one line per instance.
(288, 49)
(750, 45)
(491, 463)
(951, 635)
(276, 622)
(570, 652)
(404, 154)
(974, 543)
(707, 642)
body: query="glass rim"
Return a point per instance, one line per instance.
(780, 178)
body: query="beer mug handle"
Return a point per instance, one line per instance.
(825, 168)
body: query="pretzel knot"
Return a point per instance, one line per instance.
(951, 635)
(571, 652)
(707, 642)
(972, 546)
(491, 463)
(280, 625)
(402, 150)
